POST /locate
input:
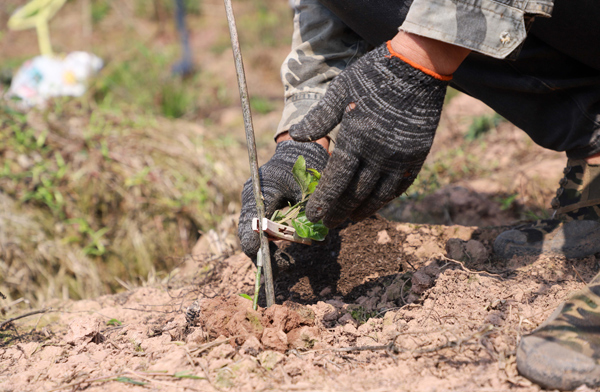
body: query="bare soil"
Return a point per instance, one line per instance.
(389, 310)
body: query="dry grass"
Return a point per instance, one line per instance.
(104, 195)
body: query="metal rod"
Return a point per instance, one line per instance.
(263, 257)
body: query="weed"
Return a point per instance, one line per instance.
(507, 201)
(261, 105)
(100, 9)
(362, 315)
(482, 125)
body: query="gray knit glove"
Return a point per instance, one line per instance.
(389, 112)
(278, 186)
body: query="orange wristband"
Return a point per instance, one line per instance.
(417, 66)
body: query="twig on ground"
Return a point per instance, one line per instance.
(392, 348)
(467, 269)
(578, 275)
(97, 379)
(10, 320)
(115, 377)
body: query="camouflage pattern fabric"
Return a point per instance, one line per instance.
(564, 352)
(578, 197)
(492, 27)
(322, 47)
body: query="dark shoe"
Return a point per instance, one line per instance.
(574, 230)
(564, 352)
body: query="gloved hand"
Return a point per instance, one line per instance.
(388, 111)
(278, 186)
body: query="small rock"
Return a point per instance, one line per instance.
(455, 249)
(412, 298)
(393, 291)
(347, 318)
(325, 291)
(269, 359)
(326, 311)
(383, 237)
(420, 282)
(476, 251)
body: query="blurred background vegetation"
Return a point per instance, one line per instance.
(112, 189)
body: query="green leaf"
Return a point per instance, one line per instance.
(245, 296)
(320, 231)
(312, 186)
(315, 173)
(307, 229)
(129, 381)
(300, 175)
(114, 322)
(277, 216)
(302, 225)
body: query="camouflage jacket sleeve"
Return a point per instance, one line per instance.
(495, 28)
(322, 47)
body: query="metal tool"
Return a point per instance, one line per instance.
(263, 257)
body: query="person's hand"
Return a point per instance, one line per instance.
(278, 186)
(388, 111)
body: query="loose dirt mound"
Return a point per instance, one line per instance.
(391, 312)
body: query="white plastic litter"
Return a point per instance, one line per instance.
(44, 77)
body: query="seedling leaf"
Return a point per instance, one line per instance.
(114, 322)
(307, 179)
(307, 229)
(300, 175)
(245, 296)
(302, 226)
(315, 173)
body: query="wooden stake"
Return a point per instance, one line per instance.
(263, 257)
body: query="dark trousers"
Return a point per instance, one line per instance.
(551, 91)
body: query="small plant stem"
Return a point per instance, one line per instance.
(256, 288)
(263, 260)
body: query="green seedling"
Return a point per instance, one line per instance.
(308, 179)
(245, 296)
(114, 322)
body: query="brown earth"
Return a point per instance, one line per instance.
(389, 311)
